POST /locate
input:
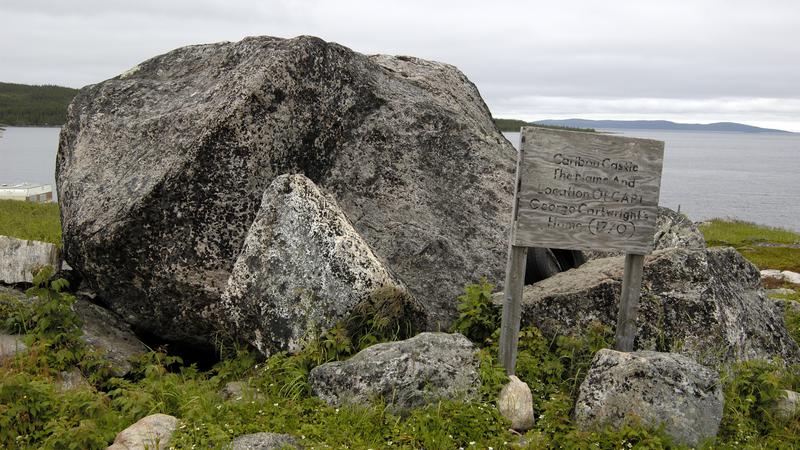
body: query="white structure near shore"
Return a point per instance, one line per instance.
(31, 192)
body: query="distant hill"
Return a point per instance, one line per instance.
(658, 125)
(25, 105)
(515, 125)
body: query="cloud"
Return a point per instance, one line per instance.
(716, 58)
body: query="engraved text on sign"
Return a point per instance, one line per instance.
(587, 191)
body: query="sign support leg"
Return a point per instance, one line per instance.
(629, 303)
(512, 309)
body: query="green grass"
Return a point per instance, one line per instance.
(34, 414)
(749, 238)
(26, 220)
(738, 233)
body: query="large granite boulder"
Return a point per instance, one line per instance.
(404, 374)
(302, 269)
(161, 171)
(707, 304)
(654, 389)
(20, 258)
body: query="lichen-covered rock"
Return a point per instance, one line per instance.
(788, 405)
(19, 258)
(654, 388)
(515, 403)
(104, 331)
(161, 171)
(302, 269)
(673, 230)
(404, 374)
(149, 433)
(264, 441)
(707, 304)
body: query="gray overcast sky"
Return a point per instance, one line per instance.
(691, 61)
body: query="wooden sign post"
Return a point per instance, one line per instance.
(582, 191)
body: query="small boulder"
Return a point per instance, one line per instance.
(239, 390)
(68, 380)
(106, 332)
(516, 404)
(404, 374)
(264, 441)
(657, 389)
(303, 268)
(149, 433)
(788, 406)
(10, 345)
(19, 258)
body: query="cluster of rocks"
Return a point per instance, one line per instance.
(271, 188)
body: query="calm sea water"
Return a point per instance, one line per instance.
(754, 177)
(749, 176)
(28, 154)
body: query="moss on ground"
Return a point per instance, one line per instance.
(766, 247)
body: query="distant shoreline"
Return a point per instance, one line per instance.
(511, 125)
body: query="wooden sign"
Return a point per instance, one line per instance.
(582, 191)
(587, 191)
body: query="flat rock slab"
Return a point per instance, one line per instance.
(264, 441)
(10, 345)
(404, 374)
(302, 269)
(19, 258)
(781, 275)
(706, 304)
(658, 389)
(149, 433)
(102, 330)
(105, 331)
(161, 172)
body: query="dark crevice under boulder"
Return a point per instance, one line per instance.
(161, 172)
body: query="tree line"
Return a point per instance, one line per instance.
(26, 105)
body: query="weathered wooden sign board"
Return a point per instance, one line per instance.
(582, 191)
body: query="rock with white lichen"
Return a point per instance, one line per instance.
(303, 268)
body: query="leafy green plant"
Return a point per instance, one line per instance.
(478, 316)
(751, 390)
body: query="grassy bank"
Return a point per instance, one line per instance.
(766, 247)
(26, 220)
(26, 105)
